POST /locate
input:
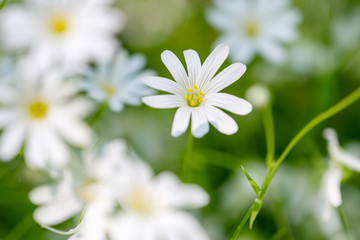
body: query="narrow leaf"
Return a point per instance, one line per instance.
(255, 211)
(253, 184)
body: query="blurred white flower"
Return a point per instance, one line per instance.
(253, 27)
(339, 159)
(43, 112)
(258, 95)
(346, 32)
(196, 93)
(118, 82)
(90, 187)
(153, 207)
(62, 32)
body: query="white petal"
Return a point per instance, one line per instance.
(221, 121)
(42, 194)
(7, 93)
(193, 64)
(225, 78)
(181, 195)
(181, 121)
(58, 152)
(272, 52)
(7, 116)
(199, 123)
(332, 142)
(11, 140)
(175, 67)
(212, 64)
(349, 161)
(116, 105)
(332, 184)
(229, 102)
(57, 212)
(35, 150)
(74, 131)
(163, 84)
(163, 101)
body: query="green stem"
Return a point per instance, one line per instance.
(2, 4)
(187, 159)
(344, 222)
(20, 229)
(346, 102)
(269, 135)
(242, 223)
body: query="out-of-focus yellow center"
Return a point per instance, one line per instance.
(38, 110)
(59, 24)
(109, 89)
(141, 202)
(84, 190)
(252, 28)
(194, 96)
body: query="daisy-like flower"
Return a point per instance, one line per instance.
(339, 161)
(118, 81)
(196, 93)
(152, 207)
(90, 187)
(44, 113)
(68, 32)
(253, 27)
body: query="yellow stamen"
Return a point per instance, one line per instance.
(192, 103)
(190, 90)
(197, 97)
(37, 110)
(109, 89)
(58, 24)
(195, 86)
(201, 93)
(200, 100)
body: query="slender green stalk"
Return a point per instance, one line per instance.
(2, 4)
(346, 102)
(188, 154)
(19, 231)
(344, 222)
(269, 135)
(242, 223)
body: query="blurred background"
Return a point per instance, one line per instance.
(322, 68)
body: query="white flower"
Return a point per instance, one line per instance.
(91, 187)
(153, 207)
(258, 95)
(253, 27)
(119, 81)
(61, 32)
(196, 93)
(339, 159)
(44, 113)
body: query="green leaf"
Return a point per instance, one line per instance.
(255, 211)
(256, 188)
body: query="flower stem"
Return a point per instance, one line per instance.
(269, 135)
(344, 222)
(346, 102)
(187, 159)
(2, 4)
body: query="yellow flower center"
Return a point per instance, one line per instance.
(84, 190)
(141, 202)
(252, 28)
(38, 110)
(109, 89)
(194, 97)
(59, 24)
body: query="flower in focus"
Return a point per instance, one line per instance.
(68, 32)
(340, 160)
(91, 187)
(119, 81)
(253, 27)
(196, 93)
(153, 207)
(44, 113)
